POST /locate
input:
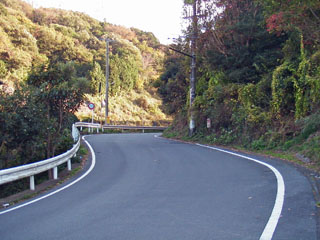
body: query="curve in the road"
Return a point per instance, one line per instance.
(93, 163)
(277, 209)
(150, 188)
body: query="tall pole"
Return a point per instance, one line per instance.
(108, 40)
(193, 68)
(107, 81)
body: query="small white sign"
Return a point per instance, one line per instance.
(208, 123)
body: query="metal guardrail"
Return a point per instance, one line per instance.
(30, 170)
(122, 127)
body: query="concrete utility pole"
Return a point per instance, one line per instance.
(107, 80)
(193, 68)
(194, 36)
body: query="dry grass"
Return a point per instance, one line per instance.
(143, 106)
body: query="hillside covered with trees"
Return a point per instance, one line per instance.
(258, 76)
(52, 62)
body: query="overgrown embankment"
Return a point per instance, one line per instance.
(299, 143)
(258, 77)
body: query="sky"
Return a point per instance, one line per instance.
(161, 17)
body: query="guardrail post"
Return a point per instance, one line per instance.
(55, 173)
(31, 170)
(69, 165)
(97, 129)
(32, 185)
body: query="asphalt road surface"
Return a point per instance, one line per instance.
(143, 187)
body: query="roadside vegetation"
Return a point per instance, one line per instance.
(52, 64)
(258, 78)
(17, 191)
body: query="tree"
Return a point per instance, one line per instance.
(98, 81)
(172, 84)
(237, 43)
(125, 66)
(59, 87)
(3, 69)
(21, 133)
(284, 16)
(60, 48)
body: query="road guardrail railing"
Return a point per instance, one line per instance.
(32, 169)
(98, 126)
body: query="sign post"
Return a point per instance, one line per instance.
(91, 106)
(208, 123)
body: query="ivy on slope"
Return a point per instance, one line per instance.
(258, 76)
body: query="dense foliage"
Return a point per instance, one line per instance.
(30, 37)
(258, 73)
(51, 62)
(36, 118)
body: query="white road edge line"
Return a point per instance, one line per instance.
(93, 163)
(277, 209)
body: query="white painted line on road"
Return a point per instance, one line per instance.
(93, 163)
(276, 212)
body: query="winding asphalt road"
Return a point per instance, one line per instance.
(141, 187)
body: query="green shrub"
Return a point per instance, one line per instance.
(311, 125)
(259, 144)
(3, 69)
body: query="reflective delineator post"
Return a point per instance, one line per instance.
(55, 173)
(69, 165)
(32, 185)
